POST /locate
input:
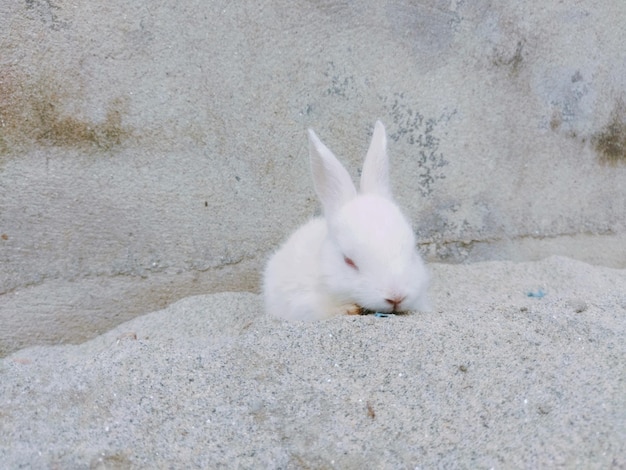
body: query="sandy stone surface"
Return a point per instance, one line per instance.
(490, 378)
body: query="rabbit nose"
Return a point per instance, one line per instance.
(395, 301)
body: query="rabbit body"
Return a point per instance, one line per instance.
(360, 255)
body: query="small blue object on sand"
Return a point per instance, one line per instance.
(537, 295)
(383, 315)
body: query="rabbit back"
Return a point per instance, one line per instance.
(291, 279)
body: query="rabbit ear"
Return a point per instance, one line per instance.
(375, 174)
(333, 184)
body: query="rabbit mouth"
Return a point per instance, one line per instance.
(366, 311)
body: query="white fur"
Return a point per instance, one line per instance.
(309, 278)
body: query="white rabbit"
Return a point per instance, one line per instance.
(360, 255)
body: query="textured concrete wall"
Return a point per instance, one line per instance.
(150, 151)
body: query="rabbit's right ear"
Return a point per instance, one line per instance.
(333, 184)
(375, 174)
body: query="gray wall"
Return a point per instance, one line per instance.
(153, 150)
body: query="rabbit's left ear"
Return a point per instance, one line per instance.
(375, 174)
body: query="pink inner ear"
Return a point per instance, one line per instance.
(350, 263)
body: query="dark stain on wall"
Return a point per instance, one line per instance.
(36, 113)
(61, 130)
(511, 60)
(420, 132)
(427, 29)
(340, 85)
(610, 142)
(47, 12)
(556, 120)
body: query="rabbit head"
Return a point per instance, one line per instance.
(369, 256)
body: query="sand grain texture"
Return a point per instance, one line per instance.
(489, 378)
